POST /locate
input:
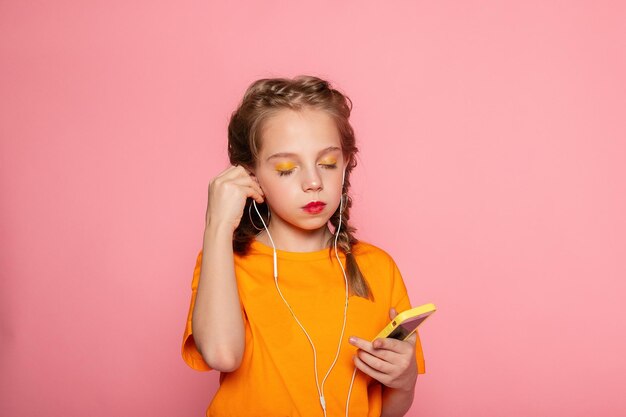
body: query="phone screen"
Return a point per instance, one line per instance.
(406, 328)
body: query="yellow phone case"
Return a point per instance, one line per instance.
(420, 314)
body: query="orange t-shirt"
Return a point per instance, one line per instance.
(276, 376)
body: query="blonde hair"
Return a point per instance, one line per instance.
(265, 98)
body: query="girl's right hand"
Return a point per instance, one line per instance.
(227, 196)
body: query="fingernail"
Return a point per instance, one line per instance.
(352, 340)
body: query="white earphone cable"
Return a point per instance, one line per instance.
(320, 389)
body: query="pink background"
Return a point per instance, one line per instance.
(492, 168)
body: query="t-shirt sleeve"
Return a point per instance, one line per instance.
(191, 355)
(400, 301)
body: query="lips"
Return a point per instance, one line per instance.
(314, 207)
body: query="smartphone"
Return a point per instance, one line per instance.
(405, 323)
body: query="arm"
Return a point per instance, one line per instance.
(217, 323)
(397, 401)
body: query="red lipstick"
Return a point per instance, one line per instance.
(314, 207)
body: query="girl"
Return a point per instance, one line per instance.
(283, 305)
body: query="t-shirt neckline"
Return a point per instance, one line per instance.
(281, 254)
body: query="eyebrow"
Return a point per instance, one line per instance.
(291, 155)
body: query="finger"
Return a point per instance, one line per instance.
(244, 186)
(258, 193)
(367, 370)
(375, 362)
(230, 172)
(235, 172)
(241, 173)
(225, 176)
(361, 344)
(248, 182)
(244, 173)
(366, 346)
(393, 345)
(256, 196)
(392, 313)
(411, 339)
(256, 181)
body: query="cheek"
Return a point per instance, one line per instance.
(274, 188)
(335, 183)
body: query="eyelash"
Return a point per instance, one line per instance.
(325, 166)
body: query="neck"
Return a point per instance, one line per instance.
(291, 240)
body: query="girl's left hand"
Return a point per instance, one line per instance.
(389, 361)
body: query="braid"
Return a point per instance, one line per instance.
(356, 281)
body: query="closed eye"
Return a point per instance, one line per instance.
(286, 172)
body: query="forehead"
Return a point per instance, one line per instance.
(303, 133)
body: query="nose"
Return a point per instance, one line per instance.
(312, 181)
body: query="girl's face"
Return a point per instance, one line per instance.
(300, 168)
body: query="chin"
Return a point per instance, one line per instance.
(312, 225)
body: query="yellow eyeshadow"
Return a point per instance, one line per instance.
(285, 166)
(329, 161)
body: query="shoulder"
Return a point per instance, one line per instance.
(363, 249)
(381, 273)
(369, 256)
